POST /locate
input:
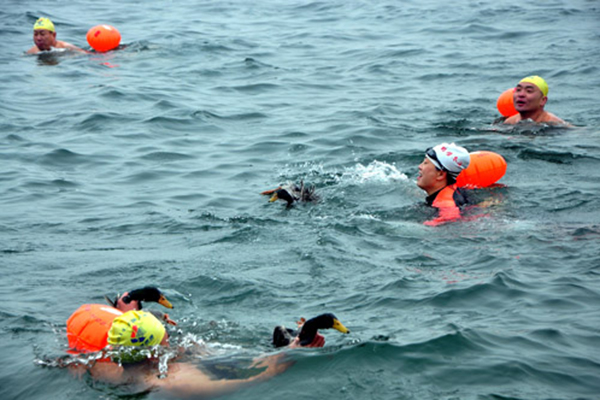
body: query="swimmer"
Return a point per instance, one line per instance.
(437, 177)
(87, 327)
(44, 37)
(529, 98)
(135, 329)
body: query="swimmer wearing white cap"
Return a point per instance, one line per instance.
(437, 177)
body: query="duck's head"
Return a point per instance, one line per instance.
(133, 300)
(282, 194)
(323, 321)
(308, 331)
(291, 193)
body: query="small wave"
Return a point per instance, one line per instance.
(555, 157)
(257, 88)
(208, 115)
(63, 157)
(165, 156)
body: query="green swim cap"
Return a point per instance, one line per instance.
(537, 81)
(43, 23)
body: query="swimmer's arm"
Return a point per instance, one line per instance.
(69, 46)
(186, 380)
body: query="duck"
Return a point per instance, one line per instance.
(307, 334)
(149, 293)
(292, 193)
(133, 301)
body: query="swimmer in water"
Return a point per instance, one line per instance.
(437, 177)
(44, 37)
(529, 98)
(135, 329)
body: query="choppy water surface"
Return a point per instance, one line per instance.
(144, 166)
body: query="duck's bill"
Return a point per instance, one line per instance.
(269, 192)
(162, 300)
(337, 325)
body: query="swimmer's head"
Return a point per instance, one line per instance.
(450, 158)
(537, 81)
(44, 23)
(135, 329)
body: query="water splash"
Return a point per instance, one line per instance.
(376, 171)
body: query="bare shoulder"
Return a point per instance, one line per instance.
(513, 120)
(33, 50)
(556, 120)
(552, 119)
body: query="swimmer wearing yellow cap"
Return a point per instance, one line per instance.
(529, 98)
(135, 330)
(44, 37)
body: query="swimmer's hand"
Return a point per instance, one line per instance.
(275, 365)
(168, 320)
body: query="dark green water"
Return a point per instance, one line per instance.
(144, 166)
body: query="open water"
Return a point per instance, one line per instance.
(144, 166)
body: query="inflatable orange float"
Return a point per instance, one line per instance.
(103, 38)
(88, 326)
(505, 103)
(485, 168)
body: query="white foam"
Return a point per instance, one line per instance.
(376, 171)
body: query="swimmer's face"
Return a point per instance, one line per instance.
(429, 176)
(528, 97)
(44, 39)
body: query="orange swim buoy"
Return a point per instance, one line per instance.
(506, 104)
(88, 326)
(485, 168)
(103, 38)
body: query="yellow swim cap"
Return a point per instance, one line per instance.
(537, 81)
(43, 23)
(136, 328)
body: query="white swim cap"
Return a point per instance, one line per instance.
(449, 157)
